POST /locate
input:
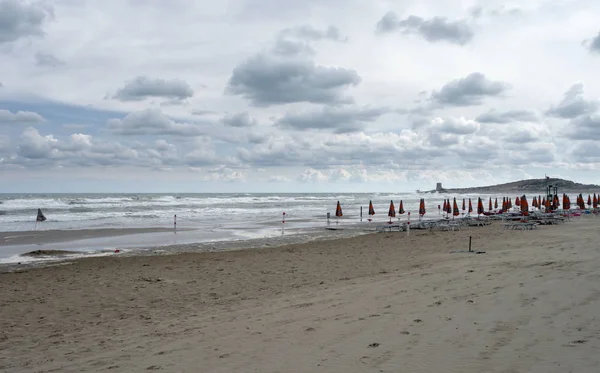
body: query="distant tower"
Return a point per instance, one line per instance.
(438, 187)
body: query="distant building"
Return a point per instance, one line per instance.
(438, 187)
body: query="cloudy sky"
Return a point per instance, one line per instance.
(306, 95)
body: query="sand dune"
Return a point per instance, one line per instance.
(375, 303)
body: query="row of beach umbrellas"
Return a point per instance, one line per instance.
(550, 204)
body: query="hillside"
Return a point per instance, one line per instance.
(530, 185)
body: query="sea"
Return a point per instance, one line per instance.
(212, 221)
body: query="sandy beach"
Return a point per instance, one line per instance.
(376, 303)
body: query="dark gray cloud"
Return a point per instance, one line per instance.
(20, 19)
(202, 112)
(20, 117)
(47, 60)
(584, 128)
(468, 91)
(338, 119)
(509, 116)
(595, 44)
(142, 88)
(309, 33)
(267, 80)
(239, 120)
(433, 30)
(152, 122)
(573, 104)
(587, 152)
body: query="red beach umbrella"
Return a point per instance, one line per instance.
(371, 209)
(463, 205)
(392, 211)
(595, 202)
(496, 203)
(480, 209)
(455, 211)
(338, 210)
(490, 205)
(589, 200)
(470, 206)
(517, 201)
(524, 206)
(401, 208)
(445, 207)
(422, 207)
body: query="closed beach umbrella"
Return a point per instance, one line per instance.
(445, 209)
(455, 211)
(480, 209)
(589, 200)
(470, 206)
(496, 203)
(338, 210)
(371, 212)
(504, 204)
(524, 206)
(490, 205)
(422, 207)
(517, 201)
(371, 209)
(464, 207)
(392, 211)
(534, 203)
(401, 208)
(565, 201)
(595, 202)
(556, 202)
(40, 216)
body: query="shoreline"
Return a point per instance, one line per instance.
(319, 304)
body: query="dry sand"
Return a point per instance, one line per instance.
(376, 303)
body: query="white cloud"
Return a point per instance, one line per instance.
(20, 117)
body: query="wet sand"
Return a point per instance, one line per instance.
(52, 236)
(374, 303)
